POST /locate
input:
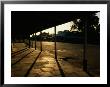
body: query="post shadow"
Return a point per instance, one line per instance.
(60, 69)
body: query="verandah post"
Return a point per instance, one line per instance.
(85, 46)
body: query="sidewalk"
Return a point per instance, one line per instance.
(33, 63)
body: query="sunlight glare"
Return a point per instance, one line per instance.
(38, 33)
(30, 35)
(49, 30)
(65, 26)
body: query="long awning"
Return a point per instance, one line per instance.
(24, 23)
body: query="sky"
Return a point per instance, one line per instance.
(62, 27)
(98, 14)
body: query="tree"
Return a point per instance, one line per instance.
(91, 21)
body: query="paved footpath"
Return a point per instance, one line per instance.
(33, 63)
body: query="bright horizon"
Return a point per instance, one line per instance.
(62, 27)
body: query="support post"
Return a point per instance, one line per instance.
(35, 41)
(11, 46)
(59, 66)
(41, 41)
(29, 43)
(85, 47)
(55, 43)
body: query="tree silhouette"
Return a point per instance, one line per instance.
(92, 23)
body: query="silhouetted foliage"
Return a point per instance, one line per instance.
(91, 22)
